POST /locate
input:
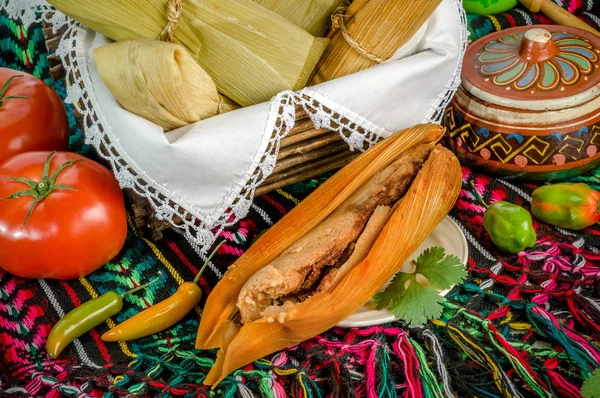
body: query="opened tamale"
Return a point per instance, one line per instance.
(286, 287)
(251, 52)
(160, 82)
(375, 30)
(314, 16)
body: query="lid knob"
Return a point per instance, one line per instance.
(537, 46)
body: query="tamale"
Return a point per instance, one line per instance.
(429, 198)
(377, 29)
(160, 82)
(251, 52)
(314, 16)
(221, 304)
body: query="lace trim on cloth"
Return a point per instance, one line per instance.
(203, 230)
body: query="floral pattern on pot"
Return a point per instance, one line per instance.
(501, 62)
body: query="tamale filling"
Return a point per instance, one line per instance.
(302, 270)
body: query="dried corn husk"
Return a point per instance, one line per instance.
(429, 199)
(221, 304)
(380, 28)
(251, 53)
(314, 16)
(354, 7)
(160, 82)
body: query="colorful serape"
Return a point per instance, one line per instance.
(521, 326)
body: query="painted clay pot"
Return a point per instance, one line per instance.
(529, 103)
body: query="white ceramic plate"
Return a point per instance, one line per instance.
(447, 235)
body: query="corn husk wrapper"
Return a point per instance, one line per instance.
(429, 199)
(314, 16)
(381, 27)
(251, 52)
(160, 82)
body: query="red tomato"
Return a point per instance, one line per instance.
(78, 227)
(37, 122)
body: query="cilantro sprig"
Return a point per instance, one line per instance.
(591, 387)
(414, 297)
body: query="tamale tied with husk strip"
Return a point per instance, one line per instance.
(357, 230)
(314, 16)
(373, 32)
(160, 82)
(251, 52)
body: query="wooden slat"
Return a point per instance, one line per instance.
(306, 166)
(313, 172)
(309, 146)
(303, 137)
(299, 160)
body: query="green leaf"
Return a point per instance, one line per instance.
(418, 304)
(30, 183)
(591, 387)
(441, 270)
(393, 292)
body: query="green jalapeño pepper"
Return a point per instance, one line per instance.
(509, 226)
(567, 205)
(86, 317)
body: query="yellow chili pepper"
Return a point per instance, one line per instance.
(162, 315)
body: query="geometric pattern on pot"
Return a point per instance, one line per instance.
(554, 149)
(500, 61)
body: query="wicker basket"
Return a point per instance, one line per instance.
(306, 152)
(303, 153)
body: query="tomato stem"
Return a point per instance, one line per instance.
(5, 87)
(39, 190)
(207, 261)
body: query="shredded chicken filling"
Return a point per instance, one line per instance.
(300, 270)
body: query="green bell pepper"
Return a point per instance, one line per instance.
(509, 226)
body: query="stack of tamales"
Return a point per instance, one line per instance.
(248, 51)
(251, 52)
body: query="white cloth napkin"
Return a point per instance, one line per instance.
(205, 166)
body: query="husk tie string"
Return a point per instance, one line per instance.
(175, 8)
(173, 16)
(339, 22)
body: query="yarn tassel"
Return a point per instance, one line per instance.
(406, 353)
(308, 388)
(438, 355)
(517, 361)
(386, 386)
(562, 385)
(477, 353)
(585, 355)
(585, 310)
(431, 386)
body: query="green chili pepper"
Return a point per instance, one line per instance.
(509, 226)
(567, 205)
(86, 317)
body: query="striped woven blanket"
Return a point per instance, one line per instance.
(520, 326)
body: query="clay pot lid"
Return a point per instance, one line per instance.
(542, 67)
